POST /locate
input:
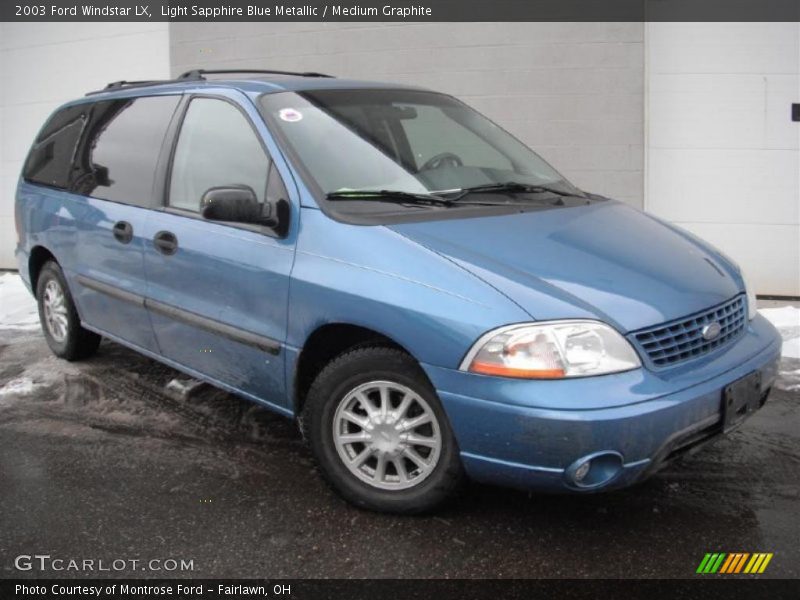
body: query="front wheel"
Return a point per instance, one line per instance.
(379, 433)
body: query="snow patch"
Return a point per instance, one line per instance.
(786, 316)
(787, 320)
(791, 348)
(18, 387)
(788, 380)
(17, 306)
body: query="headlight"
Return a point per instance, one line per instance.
(752, 306)
(551, 351)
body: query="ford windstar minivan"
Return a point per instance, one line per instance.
(427, 296)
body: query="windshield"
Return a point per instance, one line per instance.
(402, 140)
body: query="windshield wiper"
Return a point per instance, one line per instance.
(396, 196)
(509, 187)
(401, 197)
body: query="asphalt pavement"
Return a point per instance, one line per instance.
(100, 461)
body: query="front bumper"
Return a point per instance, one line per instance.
(533, 434)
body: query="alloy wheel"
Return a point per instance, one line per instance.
(387, 435)
(55, 311)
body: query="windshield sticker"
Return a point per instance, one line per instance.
(290, 115)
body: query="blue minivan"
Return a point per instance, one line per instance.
(429, 298)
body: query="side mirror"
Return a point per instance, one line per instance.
(236, 204)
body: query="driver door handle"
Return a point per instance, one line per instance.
(166, 242)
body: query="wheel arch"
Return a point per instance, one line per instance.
(325, 343)
(39, 255)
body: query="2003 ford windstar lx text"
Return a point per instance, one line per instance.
(430, 298)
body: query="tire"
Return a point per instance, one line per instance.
(387, 480)
(59, 318)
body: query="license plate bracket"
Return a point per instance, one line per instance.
(740, 399)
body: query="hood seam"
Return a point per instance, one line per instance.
(476, 276)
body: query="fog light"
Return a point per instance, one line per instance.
(582, 471)
(594, 470)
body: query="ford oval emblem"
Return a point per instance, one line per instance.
(711, 331)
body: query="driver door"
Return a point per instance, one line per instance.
(217, 292)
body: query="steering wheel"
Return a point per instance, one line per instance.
(443, 159)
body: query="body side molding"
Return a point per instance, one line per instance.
(229, 331)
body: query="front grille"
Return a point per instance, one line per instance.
(682, 339)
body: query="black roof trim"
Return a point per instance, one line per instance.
(123, 84)
(199, 75)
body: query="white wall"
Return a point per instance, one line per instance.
(723, 156)
(45, 64)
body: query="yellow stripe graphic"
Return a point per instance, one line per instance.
(751, 563)
(766, 562)
(757, 566)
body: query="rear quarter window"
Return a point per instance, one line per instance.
(53, 152)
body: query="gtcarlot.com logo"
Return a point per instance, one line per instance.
(734, 563)
(45, 562)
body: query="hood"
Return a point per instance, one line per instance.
(604, 261)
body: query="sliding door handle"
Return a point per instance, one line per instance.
(166, 242)
(123, 232)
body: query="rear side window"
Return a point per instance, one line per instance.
(216, 147)
(50, 159)
(118, 155)
(105, 149)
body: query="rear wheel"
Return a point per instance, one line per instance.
(59, 318)
(379, 433)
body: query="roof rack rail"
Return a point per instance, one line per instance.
(198, 73)
(118, 85)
